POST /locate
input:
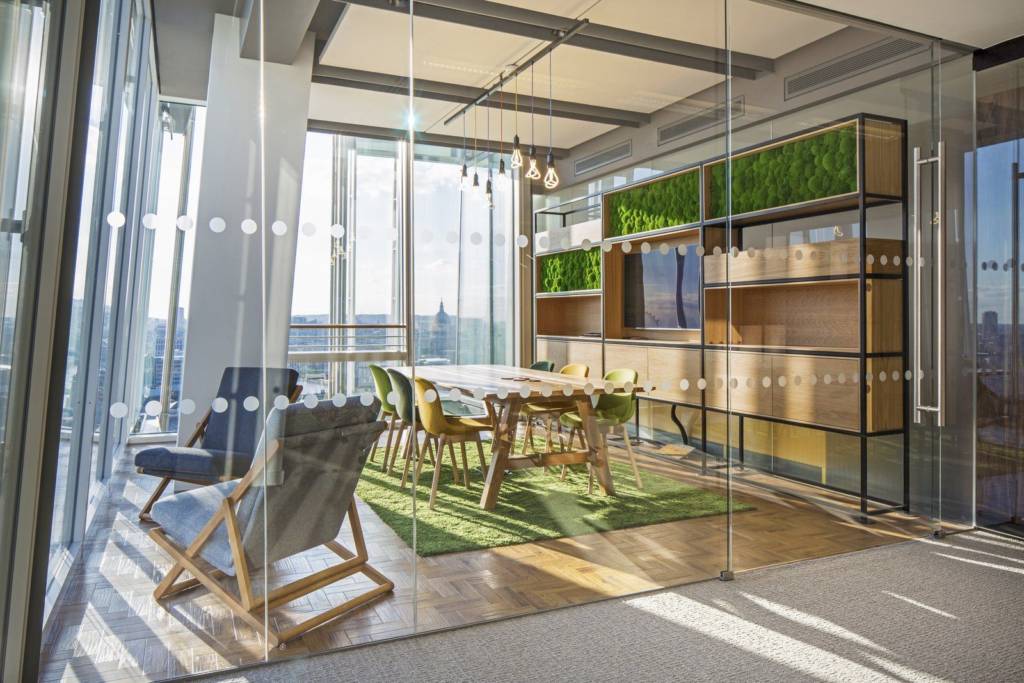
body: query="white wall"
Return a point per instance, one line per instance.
(231, 274)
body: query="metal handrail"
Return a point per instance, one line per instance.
(346, 326)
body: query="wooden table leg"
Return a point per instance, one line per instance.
(598, 447)
(501, 447)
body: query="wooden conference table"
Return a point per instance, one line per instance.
(505, 389)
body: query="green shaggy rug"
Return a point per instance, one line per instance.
(533, 505)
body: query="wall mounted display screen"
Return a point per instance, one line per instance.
(662, 291)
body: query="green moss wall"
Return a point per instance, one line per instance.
(810, 168)
(660, 204)
(571, 271)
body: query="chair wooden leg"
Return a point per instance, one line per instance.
(565, 469)
(465, 464)
(157, 492)
(437, 470)
(455, 463)
(403, 433)
(528, 436)
(411, 446)
(480, 454)
(632, 457)
(428, 446)
(387, 444)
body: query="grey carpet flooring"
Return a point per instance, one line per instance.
(925, 610)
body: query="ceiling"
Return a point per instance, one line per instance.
(377, 40)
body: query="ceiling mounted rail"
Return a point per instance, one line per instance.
(560, 37)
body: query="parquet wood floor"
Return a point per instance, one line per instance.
(107, 627)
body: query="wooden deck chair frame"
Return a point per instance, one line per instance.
(197, 434)
(245, 605)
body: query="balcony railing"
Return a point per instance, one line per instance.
(346, 342)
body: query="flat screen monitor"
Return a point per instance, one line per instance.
(662, 291)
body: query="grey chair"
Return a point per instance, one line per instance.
(223, 444)
(299, 490)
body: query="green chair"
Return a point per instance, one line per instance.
(612, 413)
(388, 410)
(548, 413)
(543, 365)
(405, 405)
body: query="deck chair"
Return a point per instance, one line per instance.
(223, 444)
(297, 493)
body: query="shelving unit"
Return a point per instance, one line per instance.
(831, 311)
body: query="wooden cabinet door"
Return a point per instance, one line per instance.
(816, 390)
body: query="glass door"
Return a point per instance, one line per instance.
(1000, 383)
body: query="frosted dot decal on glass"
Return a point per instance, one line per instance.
(149, 221)
(184, 223)
(545, 390)
(586, 244)
(308, 229)
(279, 228)
(588, 388)
(883, 259)
(366, 399)
(567, 390)
(798, 255)
(700, 249)
(645, 248)
(251, 403)
(476, 239)
(734, 383)
(115, 219)
(871, 259)
(479, 393)
(522, 241)
(543, 241)
(607, 247)
(828, 379)
(310, 401)
(454, 395)
(339, 400)
(218, 224)
(766, 382)
(337, 231)
(719, 382)
(249, 226)
(152, 408)
(813, 379)
(525, 390)
(220, 404)
(187, 407)
(717, 251)
(751, 252)
(502, 393)
(882, 376)
(609, 387)
(797, 380)
(565, 243)
(908, 375)
(841, 378)
(499, 240)
(663, 249)
(749, 383)
(895, 375)
(782, 380)
(626, 247)
(118, 410)
(684, 384)
(280, 402)
(896, 260)
(628, 387)
(429, 395)
(734, 252)
(648, 386)
(702, 384)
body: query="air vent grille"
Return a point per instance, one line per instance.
(851, 64)
(618, 152)
(700, 120)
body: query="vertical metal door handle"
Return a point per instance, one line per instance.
(938, 221)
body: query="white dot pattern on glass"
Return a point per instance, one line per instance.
(543, 241)
(717, 251)
(118, 410)
(454, 395)
(684, 384)
(564, 243)
(626, 247)
(608, 387)
(479, 393)
(218, 224)
(310, 400)
(115, 219)
(700, 250)
(766, 381)
(187, 407)
(280, 401)
(152, 408)
(337, 231)
(645, 248)
(648, 386)
(476, 238)
(586, 244)
(249, 226)
(279, 228)
(308, 229)
(366, 399)
(567, 390)
(251, 403)
(149, 221)
(546, 390)
(499, 240)
(525, 390)
(828, 379)
(220, 404)
(663, 248)
(184, 223)
(502, 393)
(606, 247)
(429, 395)
(908, 375)
(734, 383)
(896, 260)
(588, 388)
(702, 384)
(782, 380)
(522, 241)
(338, 400)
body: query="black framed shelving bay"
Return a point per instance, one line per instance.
(814, 333)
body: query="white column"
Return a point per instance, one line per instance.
(240, 281)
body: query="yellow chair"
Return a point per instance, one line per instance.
(550, 412)
(449, 430)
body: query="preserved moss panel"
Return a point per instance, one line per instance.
(803, 170)
(571, 271)
(660, 204)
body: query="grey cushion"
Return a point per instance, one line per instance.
(183, 515)
(195, 464)
(236, 430)
(299, 500)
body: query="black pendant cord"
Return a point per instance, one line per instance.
(551, 148)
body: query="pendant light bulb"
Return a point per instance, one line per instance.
(551, 176)
(489, 194)
(517, 153)
(533, 173)
(464, 181)
(476, 180)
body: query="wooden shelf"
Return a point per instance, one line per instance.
(569, 315)
(569, 295)
(803, 261)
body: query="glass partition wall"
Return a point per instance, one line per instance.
(558, 320)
